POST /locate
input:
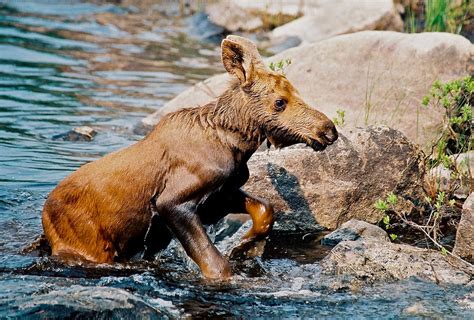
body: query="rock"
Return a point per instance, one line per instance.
(328, 188)
(330, 18)
(77, 134)
(369, 260)
(442, 177)
(464, 245)
(354, 230)
(232, 17)
(81, 302)
(375, 76)
(416, 309)
(321, 19)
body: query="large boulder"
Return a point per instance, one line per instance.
(375, 76)
(329, 18)
(320, 19)
(371, 260)
(464, 245)
(341, 183)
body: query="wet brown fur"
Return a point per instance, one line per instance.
(187, 172)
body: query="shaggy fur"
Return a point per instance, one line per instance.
(187, 172)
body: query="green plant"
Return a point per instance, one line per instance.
(456, 99)
(385, 205)
(432, 225)
(436, 15)
(339, 120)
(410, 21)
(280, 66)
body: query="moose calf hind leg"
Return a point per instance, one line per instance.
(261, 212)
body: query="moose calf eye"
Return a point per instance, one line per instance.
(280, 105)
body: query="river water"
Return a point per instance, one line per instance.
(73, 63)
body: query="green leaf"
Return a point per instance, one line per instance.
(393, 236)
(444, 251)
(272, 66)
(392, 198)
(426, 101)
(381, 205)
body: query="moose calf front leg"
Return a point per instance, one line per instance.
(187, 227)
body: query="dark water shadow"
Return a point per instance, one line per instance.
(300, 217)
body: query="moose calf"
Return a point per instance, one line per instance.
(186, 173)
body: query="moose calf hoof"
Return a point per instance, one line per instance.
(218, 271)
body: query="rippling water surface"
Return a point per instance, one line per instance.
(73, 63)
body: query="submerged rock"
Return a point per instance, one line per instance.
(355, 230)
(309, 188)
(375, 76)
(77, 134)
(82, 302)
(369, 260)
(464, 245)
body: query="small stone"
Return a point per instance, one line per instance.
(77, 134)
(416, 309)
(354, 230)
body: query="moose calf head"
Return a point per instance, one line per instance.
(271, 100)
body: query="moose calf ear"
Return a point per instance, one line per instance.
(236, 61)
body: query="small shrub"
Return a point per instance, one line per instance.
(280, 66)
(456, 98)
(438, 16)
(339, 120)
(436, 12)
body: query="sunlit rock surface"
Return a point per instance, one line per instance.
(318, 19)
(341, 183)
(464, 245)
(328, 18)
(370, 261)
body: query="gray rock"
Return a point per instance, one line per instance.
(354, 230)
(328, 188)
(464, 245)
(372, 260)
(375, 76)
